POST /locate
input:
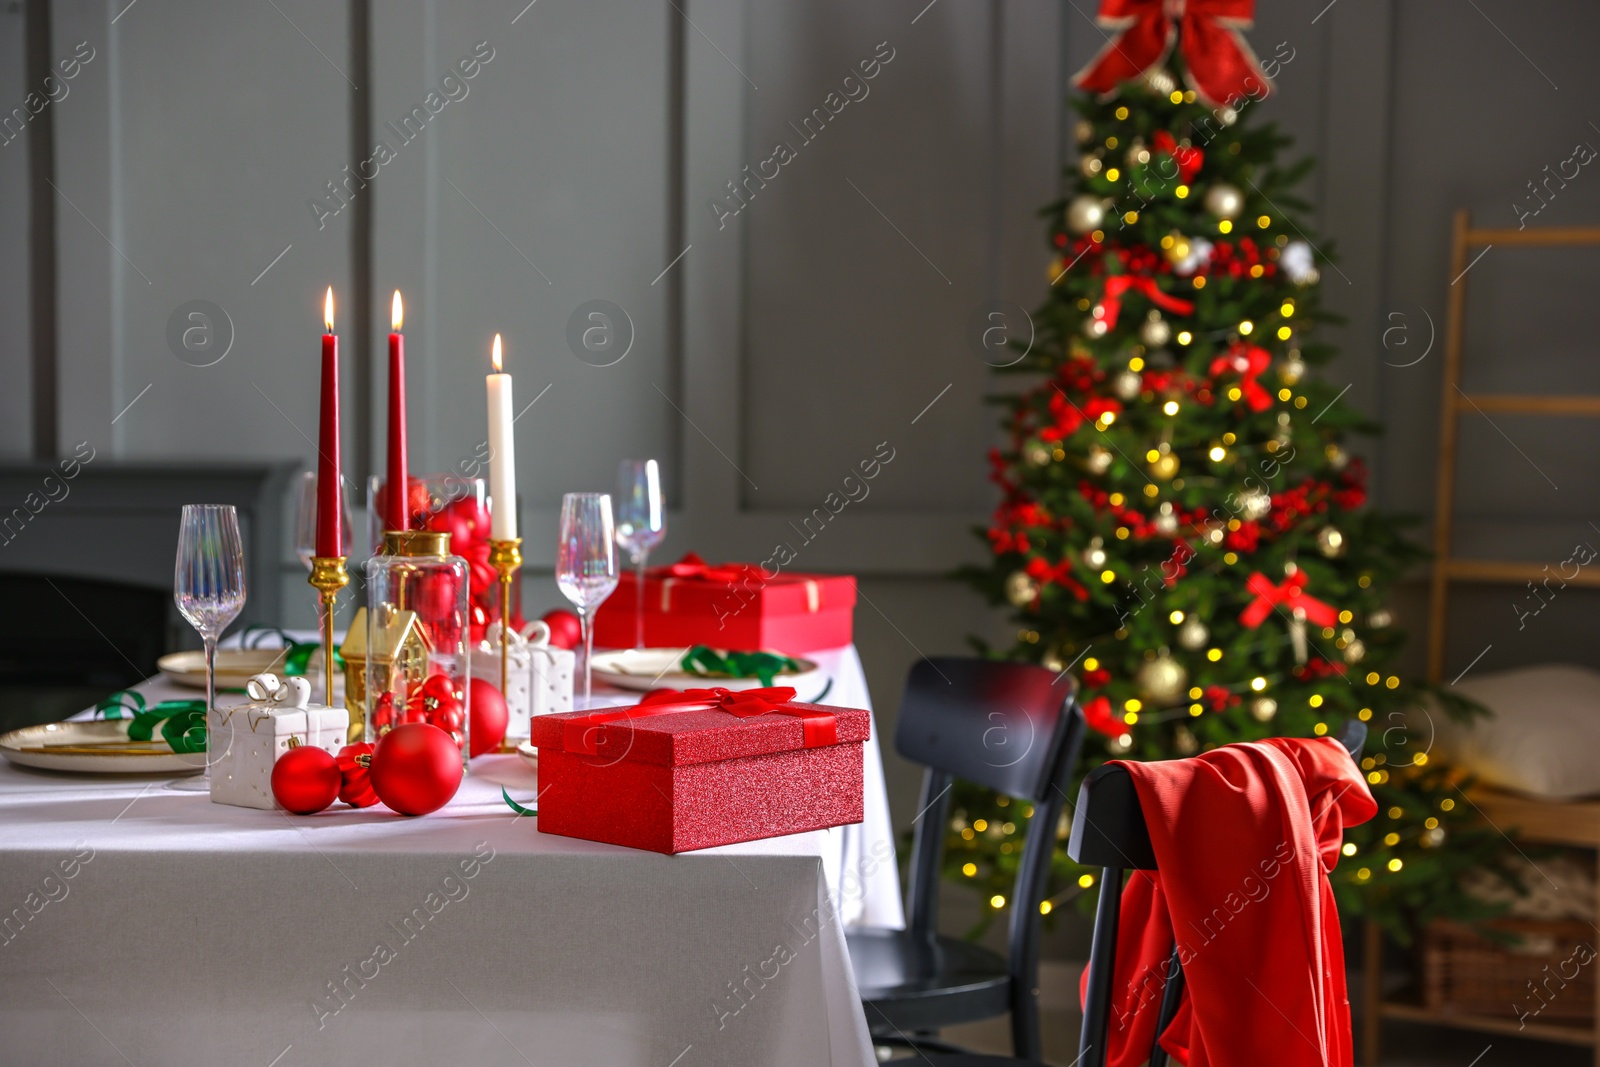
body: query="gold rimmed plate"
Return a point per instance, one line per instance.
(235, 666)
(99, 747)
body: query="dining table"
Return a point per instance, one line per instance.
(144, 925)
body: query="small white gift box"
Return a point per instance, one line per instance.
(244, 741)
(486, 665)
(550, 675)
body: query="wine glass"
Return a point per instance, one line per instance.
(641, 524)
(208, 586)
(586, 563)
(305, 519)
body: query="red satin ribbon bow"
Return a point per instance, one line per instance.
(1220, 63)
(691, 566)
(1118, 284)
(1291, 595)
(1248, 362)
(820, 728)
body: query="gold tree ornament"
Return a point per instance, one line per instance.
(1155, 331)
(1098, 461)
(1021, 589)
(1162, 679)
(1193, 634)
(1263, 708)
(1095, 555)
(1224, 201)
(1085, 213)
(1164, 466)
(1127, 385)
(1330, 542)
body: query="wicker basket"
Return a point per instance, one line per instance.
(1464, 973)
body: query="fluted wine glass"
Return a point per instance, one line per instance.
(586, 563)
(641, 525)
(208, 586)
(305, 519)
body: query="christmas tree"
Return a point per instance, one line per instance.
(1180, 521)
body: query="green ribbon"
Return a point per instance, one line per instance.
(705, 662)
(297, 658)
(183, 722)
(518, 808)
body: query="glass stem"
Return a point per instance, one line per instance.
(587, 625)
(211, 697)
(638, 600)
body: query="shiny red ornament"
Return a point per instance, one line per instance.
(565, 629)
(490, 717)
(436, 700)
(355, 785)
(416, 768)
(305, 780)
(1098, 716)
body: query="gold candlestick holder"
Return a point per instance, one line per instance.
(505, 556)
(328, 576)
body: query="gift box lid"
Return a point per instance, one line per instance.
(671, 735)
(693, 585)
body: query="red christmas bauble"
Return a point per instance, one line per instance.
(355, 786)
(416, 768)
(305, 780)
(489, 717)
(565, 629)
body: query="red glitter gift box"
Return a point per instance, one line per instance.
(737, 607)
(706, 767)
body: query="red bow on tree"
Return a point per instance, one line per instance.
(1291, 595)
(1118, 284)
(1221, 66)
(1248, 362)
(1187, 157)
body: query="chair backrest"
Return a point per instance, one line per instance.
(1017, 729)
(1109, 831)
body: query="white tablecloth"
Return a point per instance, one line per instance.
(142, 925)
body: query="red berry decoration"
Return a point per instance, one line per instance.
(305, 780)
(489, 717)
(355, 786)
(565, 629)
(416, 768)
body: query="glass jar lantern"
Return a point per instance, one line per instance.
(418, 663)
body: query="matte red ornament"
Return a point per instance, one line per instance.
(416, 768)
(565, 629)
(355, 786)
(305, 780)
(489, 716)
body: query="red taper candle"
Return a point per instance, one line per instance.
(330, 509)
(398, 496)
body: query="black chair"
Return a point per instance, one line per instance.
(1109, 831)
(1017, 729)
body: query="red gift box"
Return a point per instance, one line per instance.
(707, 767)
(737, 607)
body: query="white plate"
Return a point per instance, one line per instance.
(653, 668)
(529, 754)
(135, 760)
(235, 666)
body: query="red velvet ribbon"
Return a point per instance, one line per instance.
(1291, 595)
(1118, 284)
(691, 566)
(1221, 66)
(1248, 362)
(819, 728)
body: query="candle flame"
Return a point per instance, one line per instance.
(495, 357)
(397, 314)
(327, 310)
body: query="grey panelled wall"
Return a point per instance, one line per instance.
(789, 337)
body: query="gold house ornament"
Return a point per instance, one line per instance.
(399, 647)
